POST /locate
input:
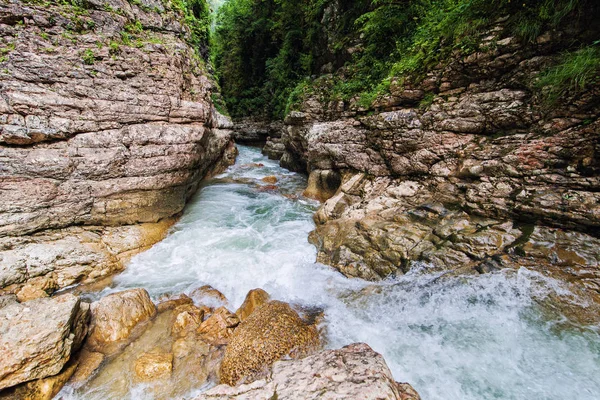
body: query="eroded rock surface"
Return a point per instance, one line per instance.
(116, 317)
(274, 330)
(353, 372)
(98, 135)
(458, 168)
(38, 337)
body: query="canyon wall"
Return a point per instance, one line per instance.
(468, 168)
(106, 130)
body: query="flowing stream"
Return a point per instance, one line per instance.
(476, 337)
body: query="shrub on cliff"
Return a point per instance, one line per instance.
(269, 53)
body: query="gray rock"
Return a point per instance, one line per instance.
(353, 372)
(38, 337)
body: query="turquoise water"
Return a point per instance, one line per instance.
(478, 337)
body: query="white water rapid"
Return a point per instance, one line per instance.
(462, 338)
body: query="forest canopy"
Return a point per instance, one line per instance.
(268, 52)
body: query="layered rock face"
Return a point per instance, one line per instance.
(353, 372)
(106, 130)
(467, 167)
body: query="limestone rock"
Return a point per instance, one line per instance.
(38, 337)
(219, 327)
(40, 389)
(117, 138)
(154, 365)
(187, 318)
(40, 286)
(117, 319)
(271, 332)
(254, 299)
(353, 372)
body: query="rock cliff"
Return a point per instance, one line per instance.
(106, 130)
(467, 167)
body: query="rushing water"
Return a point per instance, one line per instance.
(476, 337)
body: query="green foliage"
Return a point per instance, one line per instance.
(88, 56)
(575, 72)
(270, 54)
(113, 47)
(196, 14)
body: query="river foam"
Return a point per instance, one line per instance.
(471, 337)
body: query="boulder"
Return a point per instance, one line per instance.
(187, 318)
(353, 372)
(219, 327)
(41, 389)
(118, 318)
(268, 334)
(38, 337)
(208, 296)
(170, 303)
(254, 299)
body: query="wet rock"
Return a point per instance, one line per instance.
(270, 179)
(40, 389)
(322, 184)
(208, 296)
(254, 299)
(268, 188)
(38, 337)
(88, 363)
(353, 372)
(154, 365)
(171, 303)
(117, 319)
(187, 318)
(271, 332)
(219, 327)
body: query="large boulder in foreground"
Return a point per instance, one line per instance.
(353, 372)
(271, 332)
(38, 337)
(118, 318)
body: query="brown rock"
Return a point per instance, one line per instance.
(271, 332)
(87, 363)
(272, 179)
(322, 184)
(219, 327)
(118, 318)
(41, 389)
(40, 286)
(38, 337)
(209, 296)
(268, 188)
(154, 365)
(254, 299)
(187, 318)
(171, 303)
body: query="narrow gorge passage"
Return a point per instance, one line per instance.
(469, 337)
